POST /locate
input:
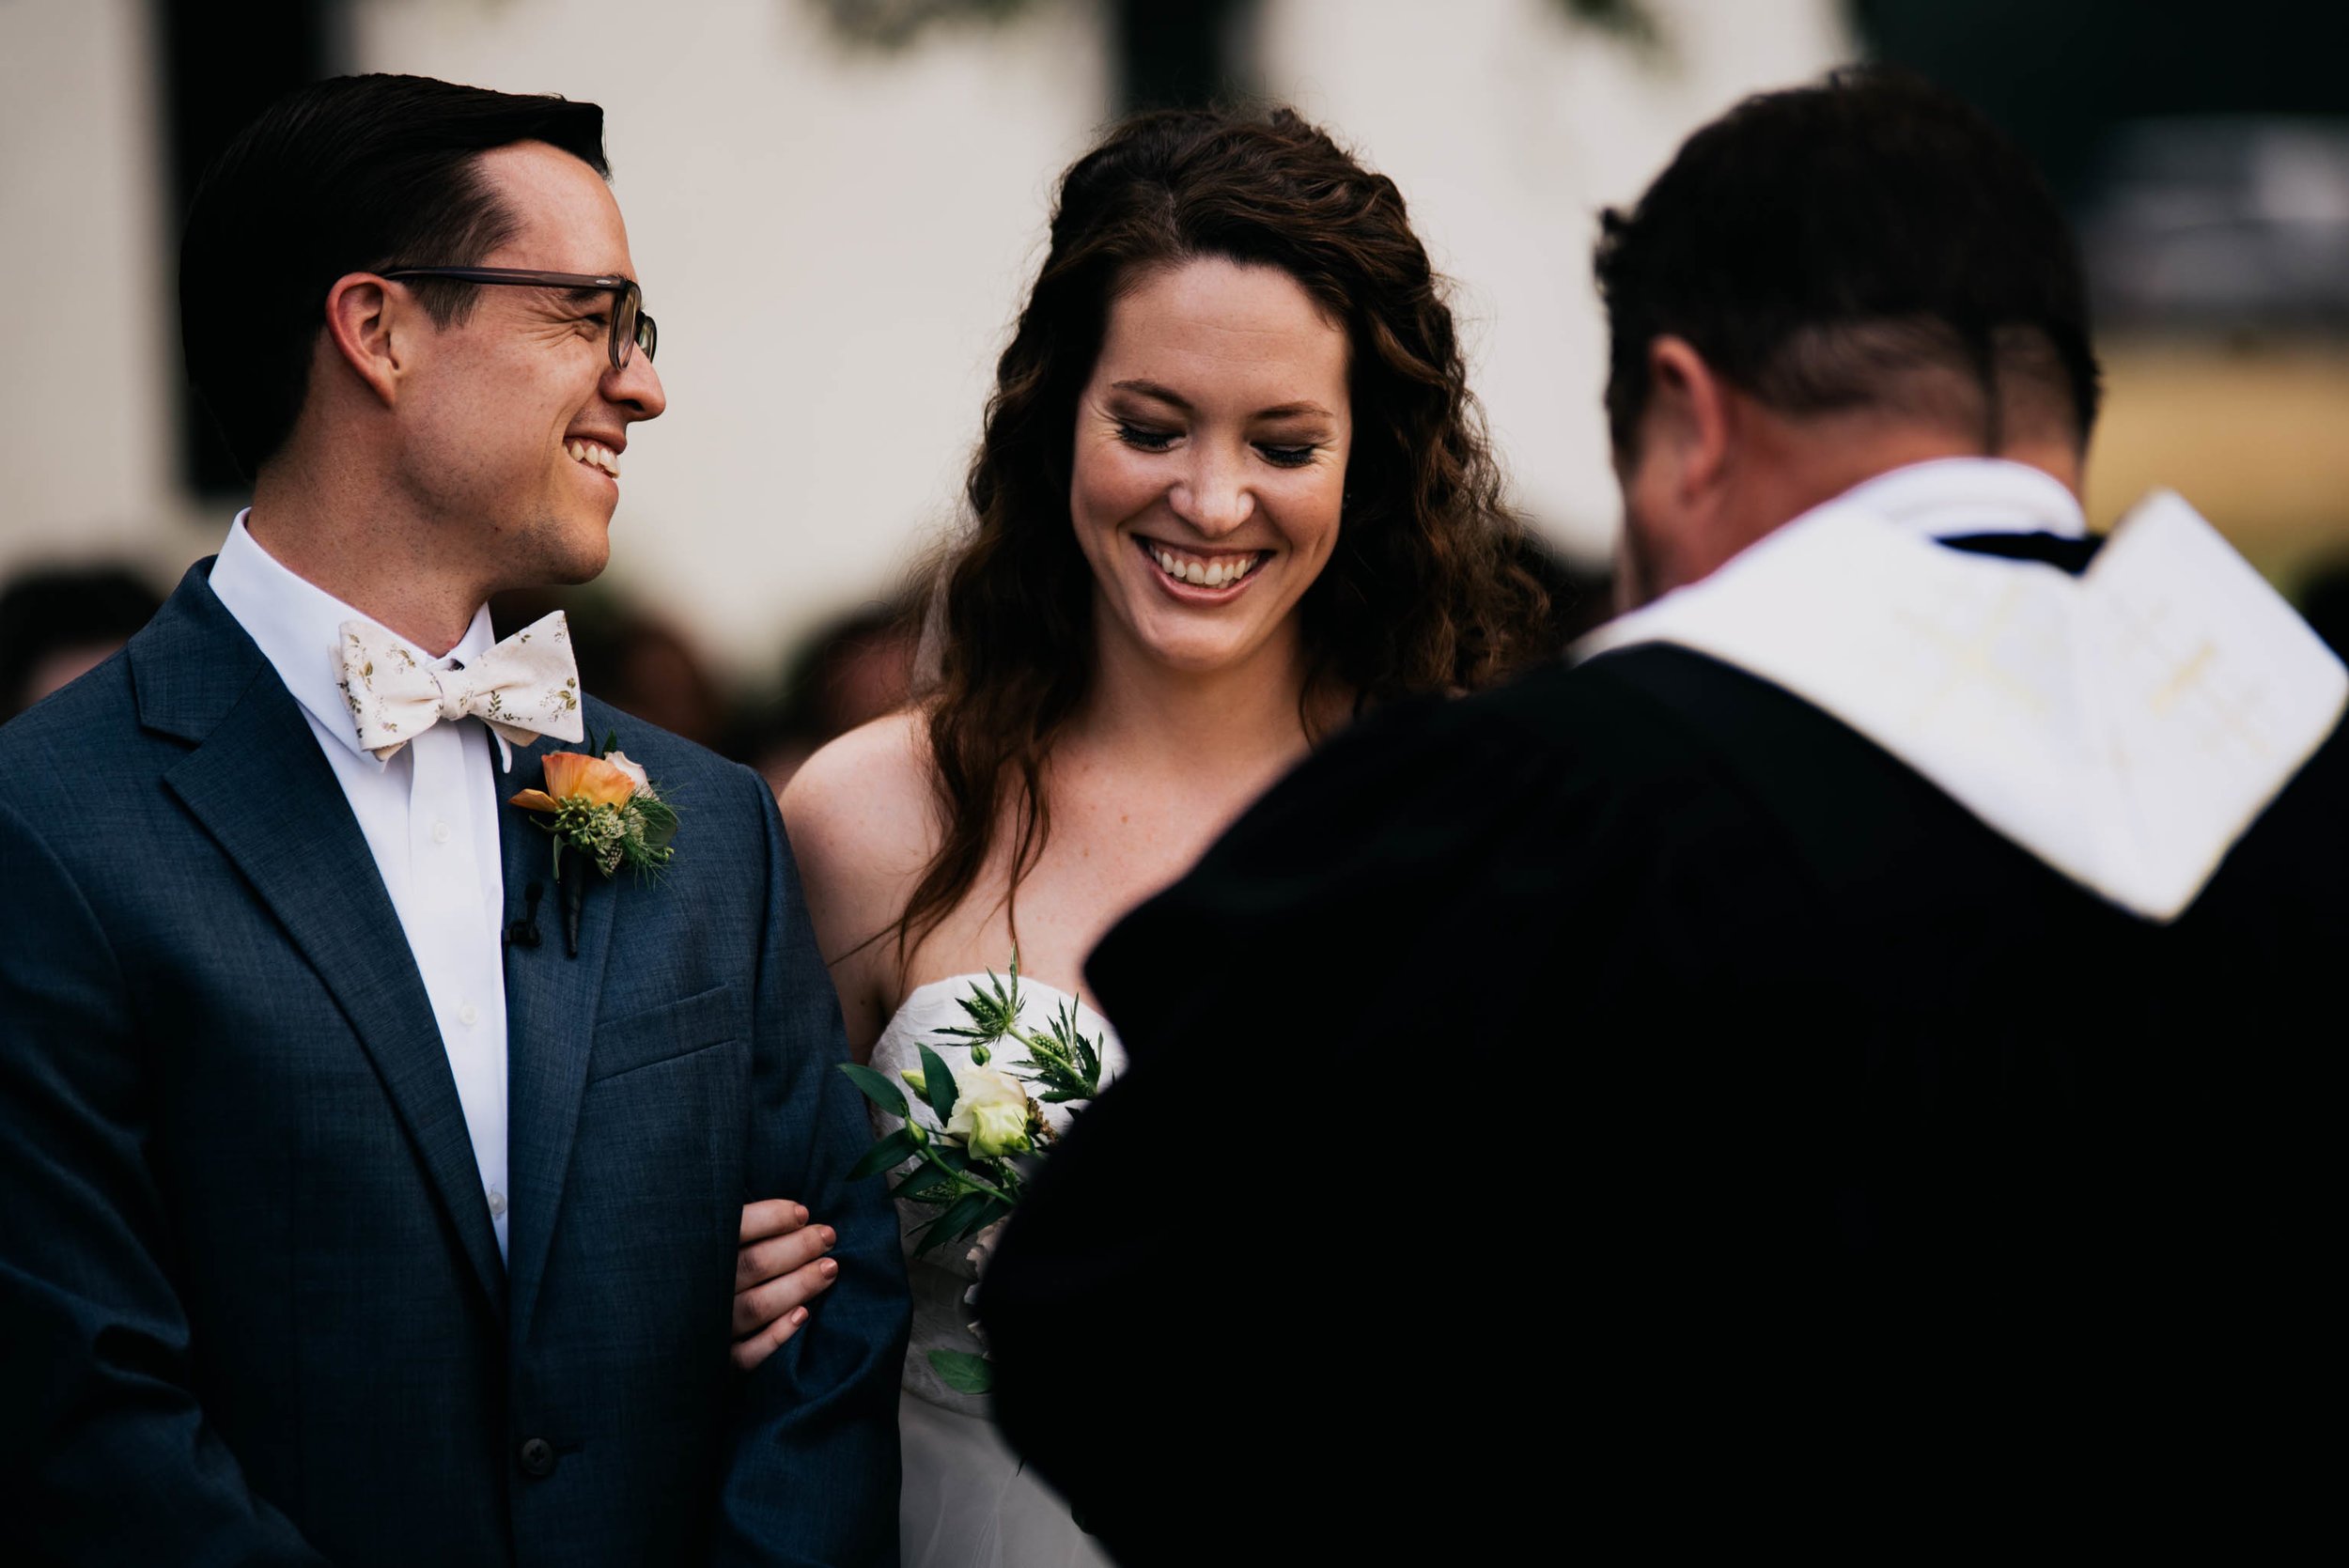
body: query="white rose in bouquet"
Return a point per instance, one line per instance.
(990, 1116)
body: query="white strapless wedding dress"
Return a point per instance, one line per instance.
(967, 1501)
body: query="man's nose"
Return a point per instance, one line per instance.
(636, 388)
(1214, 497)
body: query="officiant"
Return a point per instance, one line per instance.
(1823, 1065)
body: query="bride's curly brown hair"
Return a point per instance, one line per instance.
(1424, 591)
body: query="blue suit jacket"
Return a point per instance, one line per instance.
(251, 1304)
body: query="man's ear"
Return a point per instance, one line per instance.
(1689, 410)
(374, 327)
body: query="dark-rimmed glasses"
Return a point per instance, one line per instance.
(631, 328)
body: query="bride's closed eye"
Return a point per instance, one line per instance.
(1143, 437)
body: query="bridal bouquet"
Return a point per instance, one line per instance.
(971, 1164)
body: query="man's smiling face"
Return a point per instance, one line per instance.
(512, 443)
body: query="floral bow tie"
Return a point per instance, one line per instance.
(523, 688)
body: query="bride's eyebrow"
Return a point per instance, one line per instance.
(1278, 411)
(1152, 389)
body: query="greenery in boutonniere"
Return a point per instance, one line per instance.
(604, 807)
(972, 1160)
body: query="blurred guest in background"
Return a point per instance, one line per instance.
(854, 669)
(1831, 1067)
(58, 623)
(1580, 600)
(1232, 492)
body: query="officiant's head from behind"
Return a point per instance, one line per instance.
(411, 308)
(1828, 283)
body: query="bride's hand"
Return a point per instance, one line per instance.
(779, 1267)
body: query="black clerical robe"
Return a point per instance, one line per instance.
(1630, 1101)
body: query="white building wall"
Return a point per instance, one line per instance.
(90, 354)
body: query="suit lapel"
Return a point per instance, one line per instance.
(551, 1000)
(257, 783)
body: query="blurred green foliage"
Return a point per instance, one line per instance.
(894, 24)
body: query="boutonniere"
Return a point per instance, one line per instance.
(606, 809)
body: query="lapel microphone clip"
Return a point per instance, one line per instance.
(524, 931)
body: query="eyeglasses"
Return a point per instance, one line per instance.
(632, 329)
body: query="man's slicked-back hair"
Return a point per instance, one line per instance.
(1869, 241)
(350, 174)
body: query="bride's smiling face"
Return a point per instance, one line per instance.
(1210, 458)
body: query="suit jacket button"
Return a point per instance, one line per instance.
(537, 1456)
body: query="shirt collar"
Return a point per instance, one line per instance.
(1949, 498)
(298, 627)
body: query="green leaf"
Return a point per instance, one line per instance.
(938, 1085)
(922, 1186)
(659, 819)
(877, 1088)
(895, 1149)
(963, 1218)
(962, 1372)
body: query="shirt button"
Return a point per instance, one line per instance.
(469, 1014)
(497, 1203)
(536, 1455)
(440, 833)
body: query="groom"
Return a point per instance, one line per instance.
(1829, 1067)
(372, 1186)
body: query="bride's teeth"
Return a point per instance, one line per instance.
(1221, 572)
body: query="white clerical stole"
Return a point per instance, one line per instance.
(2126, 726)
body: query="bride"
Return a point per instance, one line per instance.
(1232, 489)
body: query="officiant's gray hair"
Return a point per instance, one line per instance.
(354, 174)
(1868, 241)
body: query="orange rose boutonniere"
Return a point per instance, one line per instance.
(605, 808)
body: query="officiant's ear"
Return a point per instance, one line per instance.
(373, 324)
(1689, 412)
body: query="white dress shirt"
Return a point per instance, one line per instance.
(430, 820)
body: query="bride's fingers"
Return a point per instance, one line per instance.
(749, 1353)
(773, 1311)
(781, 1275)
(762, 1261)
(770, 1217)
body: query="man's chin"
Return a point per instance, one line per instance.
(579, 569)
(562, 554)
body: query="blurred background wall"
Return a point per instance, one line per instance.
(836, 205)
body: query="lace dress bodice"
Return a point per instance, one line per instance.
(942, 1277)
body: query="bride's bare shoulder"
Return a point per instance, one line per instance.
(866, 799)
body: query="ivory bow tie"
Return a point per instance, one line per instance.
(523, 688)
